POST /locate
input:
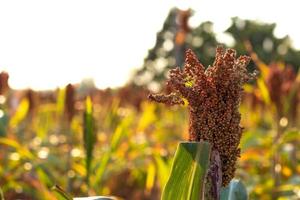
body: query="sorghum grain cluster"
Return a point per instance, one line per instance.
(213, 97)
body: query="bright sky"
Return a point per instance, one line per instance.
(45, 44)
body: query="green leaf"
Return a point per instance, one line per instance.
(188, 172)
(4, 120)
(234, 191)
(115, 140)
(88, 135)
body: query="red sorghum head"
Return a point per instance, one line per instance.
(3, 82)
(213, 97)
(70, 102)
(280, 82)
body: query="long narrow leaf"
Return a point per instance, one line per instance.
(22, 150)
(116, 138)
(188, 172)
(20, 114)
(88, 136)
(60, 101)
(106, 157)
(1, 195)
(63, 193)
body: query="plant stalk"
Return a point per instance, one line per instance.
(214, 177)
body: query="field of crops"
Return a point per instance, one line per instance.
(87, 142)
(117, 142)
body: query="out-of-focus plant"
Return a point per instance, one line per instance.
(32, 98)
(62, 193)
(1, 195)
(4, 87)
(276, 97)
(88, 136)
(69, 102)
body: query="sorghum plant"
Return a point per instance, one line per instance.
(213, 97)
(69, 113)
(32, 98)
(3, 82)
(281, 83)
(70, 102)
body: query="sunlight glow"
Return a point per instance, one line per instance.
(46, 44)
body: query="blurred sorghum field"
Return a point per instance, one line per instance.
(42, 140)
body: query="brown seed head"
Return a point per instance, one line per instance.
(214, 96)
(3, 82)
(32, 98)
(70, 102)
(280, 82)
